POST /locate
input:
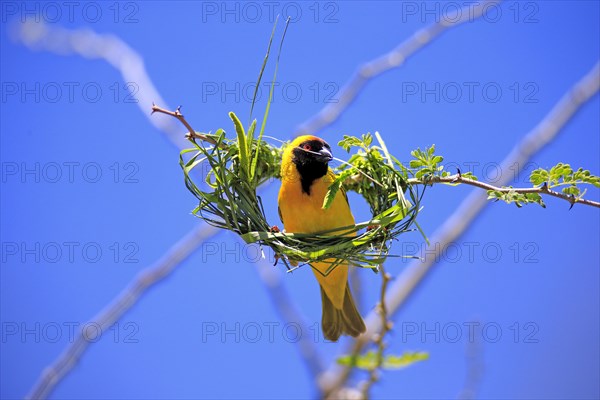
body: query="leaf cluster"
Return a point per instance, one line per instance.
(559, 176)
(228, 197)
(512, 196)
(563, 175)
(426, 164)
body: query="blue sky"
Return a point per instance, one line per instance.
(92, 193)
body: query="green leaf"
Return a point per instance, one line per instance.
(469, 175)
(251, 130)
(406, 359)
(370, 360)
(349, 141)
(572, 190)
(421, 173)
(535, 198)
(538, 176)
(255, 158)
(270, 100)
(264, 64)
(242, 144)
(418, 154)
(335, 187)
(431, 150)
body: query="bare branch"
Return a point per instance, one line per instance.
(393, 59)
(178, 253)
(386, 326)
(191, 132)
(334, 378)
(544, 189)
(176, 114)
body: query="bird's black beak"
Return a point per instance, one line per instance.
(324, 155)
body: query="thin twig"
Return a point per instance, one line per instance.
(544, 189)
(386, 326)
(336, 376)
(393, 59)
(191, 132)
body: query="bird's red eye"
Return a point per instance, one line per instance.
(307, 147)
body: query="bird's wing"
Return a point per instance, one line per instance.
(280, 216)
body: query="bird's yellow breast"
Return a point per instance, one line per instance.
(304, 213)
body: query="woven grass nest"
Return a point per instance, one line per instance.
(227, 196)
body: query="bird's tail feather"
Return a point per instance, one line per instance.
(345, 321)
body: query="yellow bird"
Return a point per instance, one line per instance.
(306, 177)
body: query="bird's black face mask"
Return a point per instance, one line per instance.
(311, 159)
